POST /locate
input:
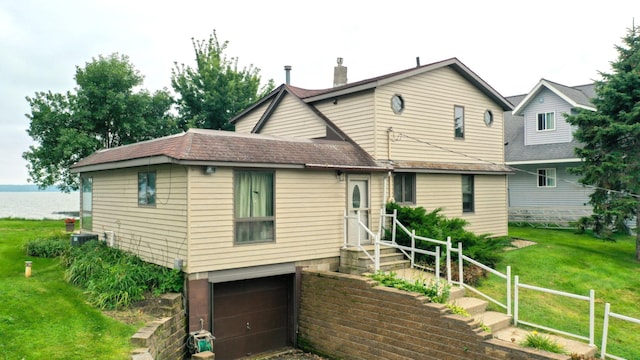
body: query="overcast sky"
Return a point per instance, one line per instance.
(510, 44)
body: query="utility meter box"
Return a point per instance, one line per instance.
(79, 239)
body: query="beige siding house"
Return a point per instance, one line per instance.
(407, 120)
(242, 212)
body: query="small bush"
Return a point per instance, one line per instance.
(48, 247)
(114, 278)
(541, 342)
(436, 291)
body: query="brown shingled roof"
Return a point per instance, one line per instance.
(224, 146)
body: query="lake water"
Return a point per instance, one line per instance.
(39, 205)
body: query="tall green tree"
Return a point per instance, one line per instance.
(215, 90)
(104, 111)
(611, 142)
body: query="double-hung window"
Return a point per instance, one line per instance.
(147, 188)
(404, 188)
(546, 121)
(547, 177)
(254, 209)
(467, 194)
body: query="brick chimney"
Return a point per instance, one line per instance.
(339, 74)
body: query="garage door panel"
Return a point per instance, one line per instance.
(251, 316)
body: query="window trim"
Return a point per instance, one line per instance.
(546, 114)
(546, 177)
(155, 188)
(271, 218)
(413, 177)
(472, 208)
(455, 122)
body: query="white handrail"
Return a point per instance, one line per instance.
(590, 299)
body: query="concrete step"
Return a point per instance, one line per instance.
(496, 321)
(472, 305)
(394, 265)
(517, 336)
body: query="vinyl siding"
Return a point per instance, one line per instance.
(292, 118)
(428, 119)
(157, 234)
(568, 193)
(309, 209)
(355, 116)
(445, 191)
(546, 101)
(249, 121)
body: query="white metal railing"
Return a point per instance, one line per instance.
(362, 226)
(590, 299)
(411, 251)
(605, 330)
(507, 277)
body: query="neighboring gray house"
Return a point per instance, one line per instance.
(539, 145)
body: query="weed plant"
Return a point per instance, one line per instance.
(437, 291)
(542, 342)
(113, 278)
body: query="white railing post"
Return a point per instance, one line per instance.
(438, 263)
(377, 252)
(346, 225)
(509, 290)
(393, 232)
(413, 248)
(460, 265)
(605, 331)
(359, 228)
(448, 259)
(515, 301)
(592, 317)
(382, 219)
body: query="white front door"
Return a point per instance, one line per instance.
(358, 202)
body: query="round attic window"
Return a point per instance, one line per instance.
(488, 117)
(397, 104)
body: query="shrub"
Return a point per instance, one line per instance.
(435, 225)
(48, 247)
(114, 278)
(436, 291)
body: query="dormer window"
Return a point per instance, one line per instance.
(546, 121)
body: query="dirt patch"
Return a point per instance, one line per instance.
(139, 313)
(287, 354)
(519, 243)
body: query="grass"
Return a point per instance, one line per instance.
(44, 317)
(562, 260)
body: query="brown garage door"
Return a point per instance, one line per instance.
(251, 316)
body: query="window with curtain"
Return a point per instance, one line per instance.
(546, 121)
(467, 193)
(86, 210)
(253, 202)
(404, 185)
(147, 188)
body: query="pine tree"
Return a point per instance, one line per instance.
(611, 143)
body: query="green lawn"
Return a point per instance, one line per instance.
(562, 260)
(43, 317)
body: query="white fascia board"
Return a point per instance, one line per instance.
(543, 161)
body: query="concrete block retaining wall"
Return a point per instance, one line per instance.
(350, 317)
